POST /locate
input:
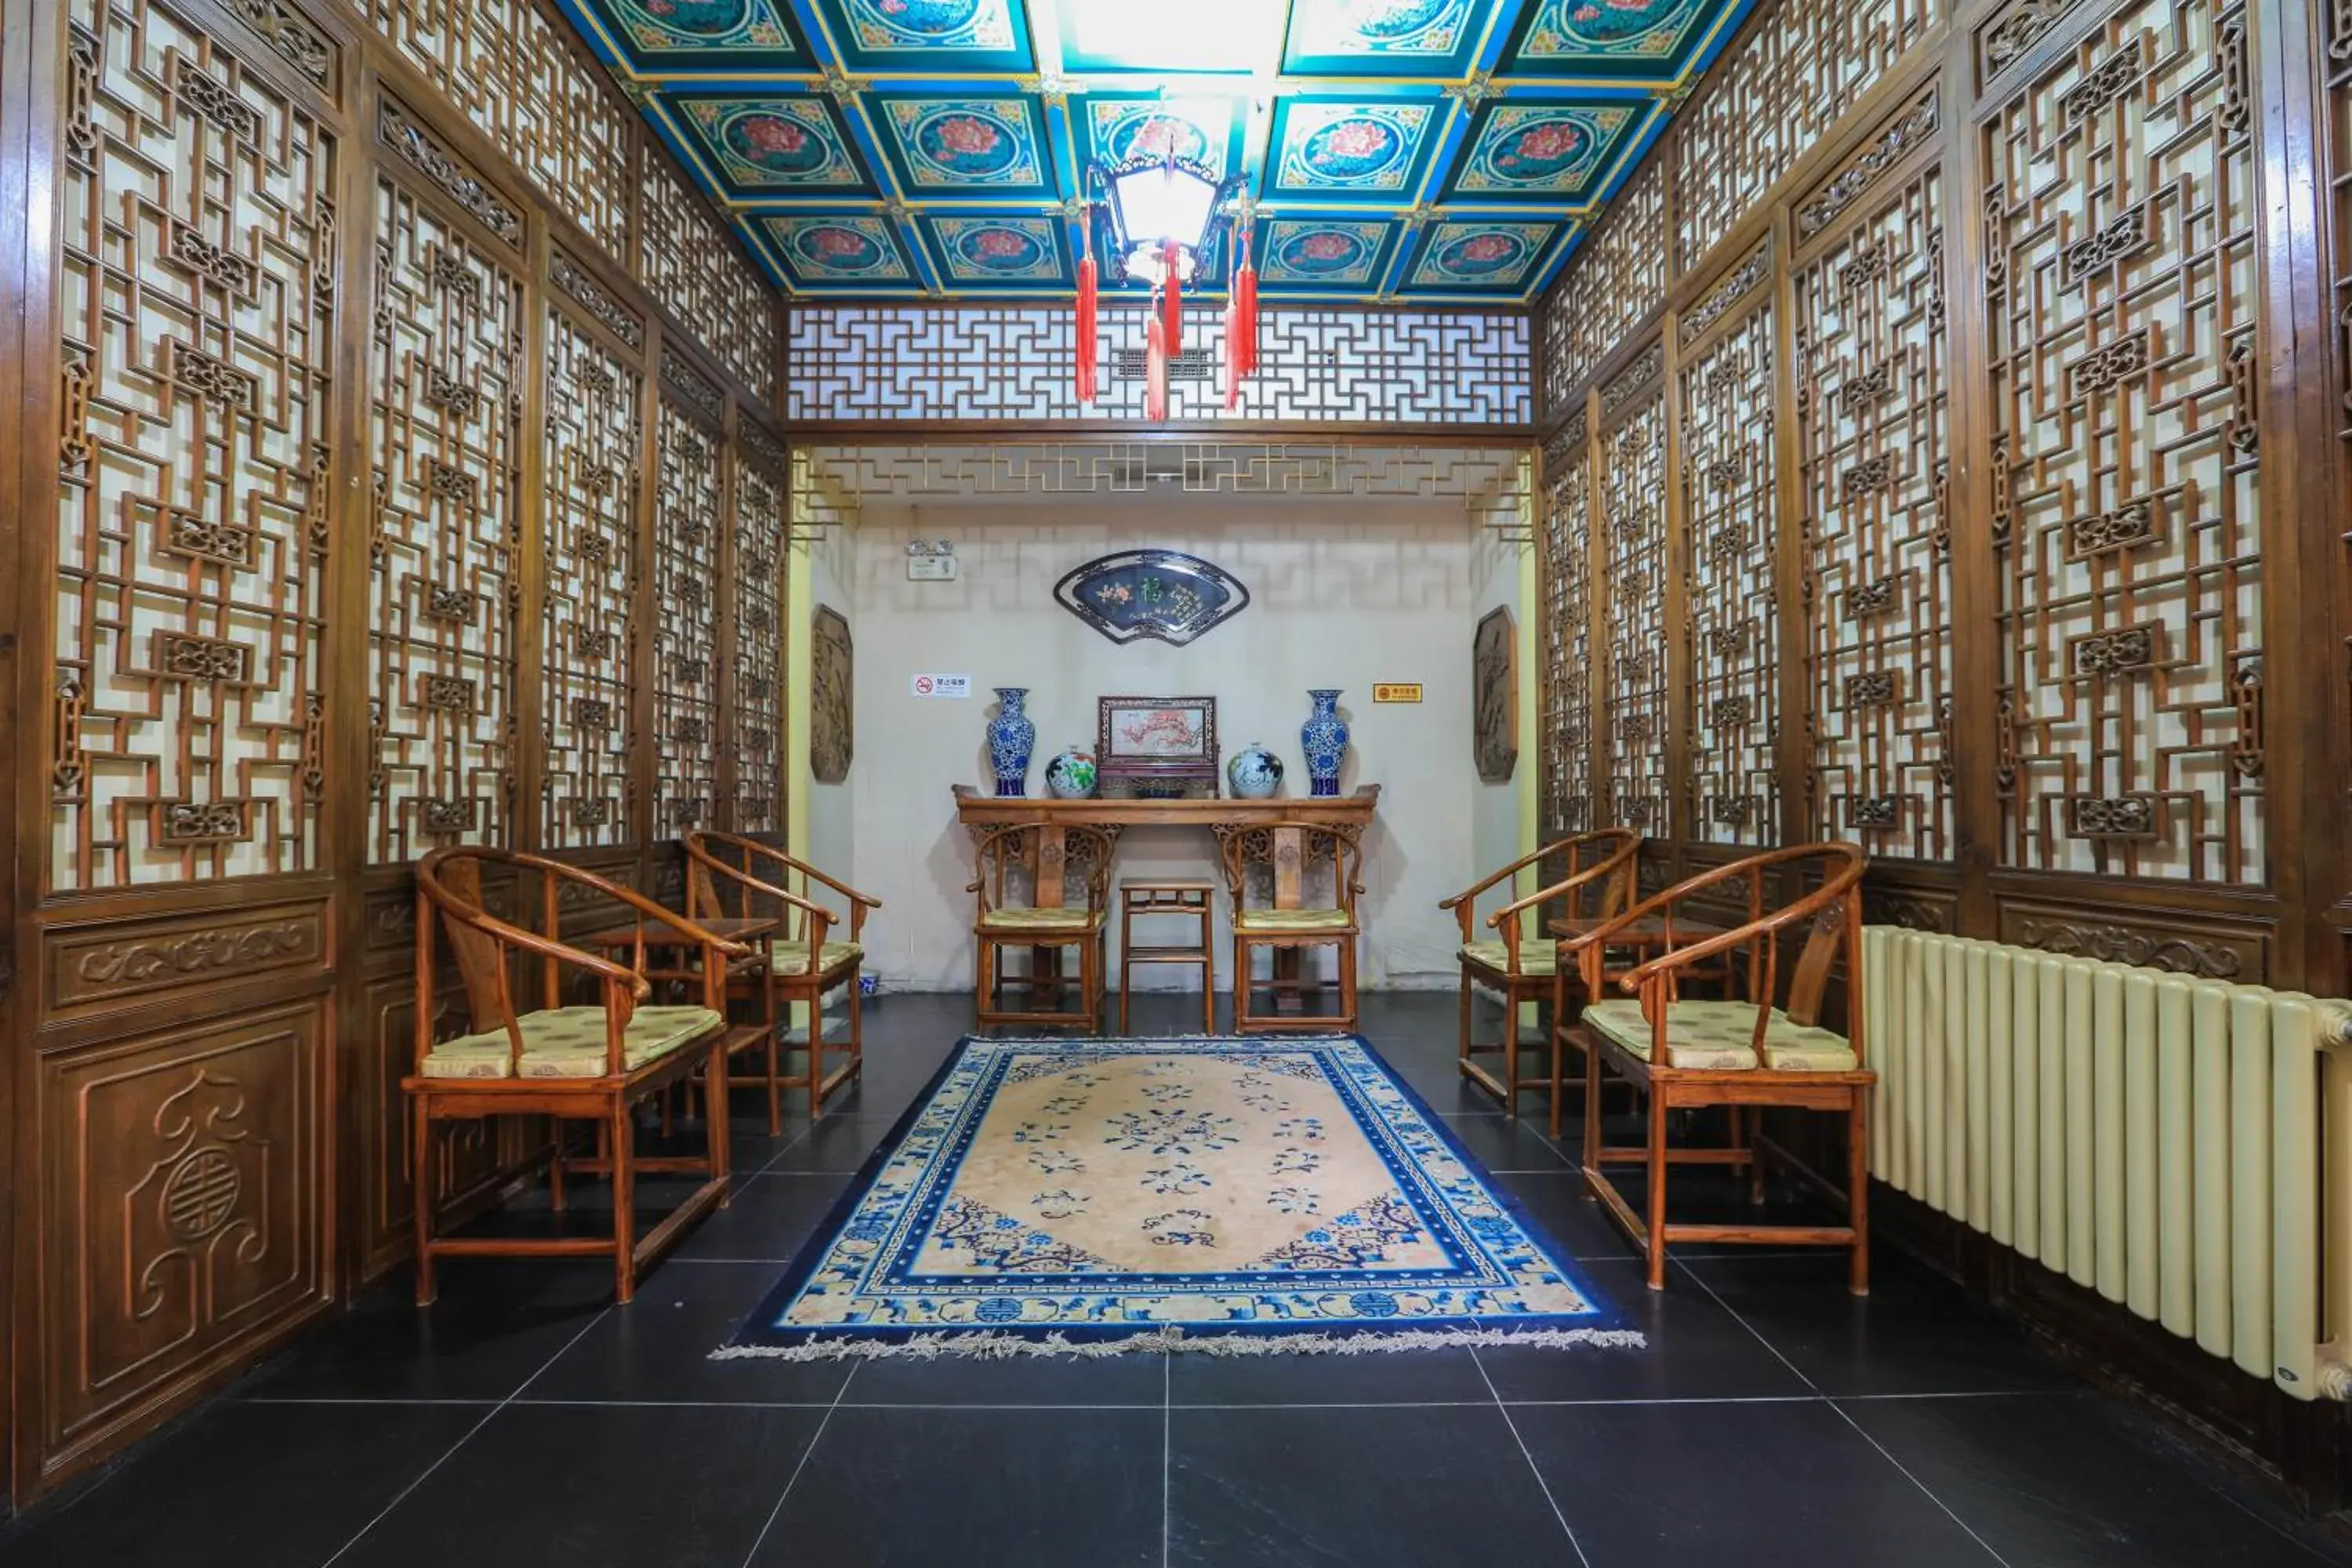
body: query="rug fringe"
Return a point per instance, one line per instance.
(996, 1345)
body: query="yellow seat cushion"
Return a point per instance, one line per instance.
(569, 1042)
(1534, 957)
(795, 960)
(1062, 919)
(1716, 1036)
(1255, 920)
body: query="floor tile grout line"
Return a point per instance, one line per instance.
(1525, 1453)
(1167, 1450)
(471, 1433)
(1901, 1468)
(794, 1478)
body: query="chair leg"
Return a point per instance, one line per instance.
(1241, 987)
(1208, 978)
(422, 1184)
(980, 983)
(625, 1197)
(555, 1168)
(720, 1132)
(1591, 1109)
(1857, 1191)
(1511, 1051)
(1657, 1195)
(1468, 1001)
(775, 1082)
(858, 1020)
(1347, 981)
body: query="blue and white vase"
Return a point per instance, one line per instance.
(1324, 737)
(1011, 736)
(1254, 773)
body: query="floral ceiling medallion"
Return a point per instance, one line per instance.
(1161, 593)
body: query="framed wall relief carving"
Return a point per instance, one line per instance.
(832, 692)
(1156, 746)
(1495, 695)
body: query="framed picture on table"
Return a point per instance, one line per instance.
(1160, 746)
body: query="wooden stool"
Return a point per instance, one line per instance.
(1142, 897)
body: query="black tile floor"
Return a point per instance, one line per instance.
(525, 1420)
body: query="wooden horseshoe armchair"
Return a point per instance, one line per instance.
(591, 1063)
(1526, 969)
(729, 876)
(1742, 1053)
(1023, 885)
(1286, 857)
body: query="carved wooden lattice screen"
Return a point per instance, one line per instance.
(689, 520)
(1634, 597)
(759, 691)
(1564, 639)
(199, 234)
(1731, 623)
(443, 529)
(594, 401)
(2119, 211)
(1877, 531)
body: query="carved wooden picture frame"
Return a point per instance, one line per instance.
(833, 712)
(1495, 695)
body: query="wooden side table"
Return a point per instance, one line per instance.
(1154, 898)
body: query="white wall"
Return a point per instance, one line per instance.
(1342, 593)
(1495, 811)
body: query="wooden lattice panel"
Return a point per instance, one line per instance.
(1803, 65)
(758, 708)
(1874, 479)
(444, 530)
(2121, 284)
(198, 228)
(1616, 282)
(687, 515)
(1012, 362)
(1564, 640)
(2334, 24)
(595, 402)
(1730, 628)
(1634, 590)
(696, 268)
(526, 85)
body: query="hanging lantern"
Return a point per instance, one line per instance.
(1164, 215)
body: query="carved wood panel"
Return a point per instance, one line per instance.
(1634, 592)
(594, 410)
(758, 704)
(687, 516)
(525, 84)
(445, 528)
(1731, 630)
(2119, 211)
(1564, 640)
(697, 269)
(1766, 105)
(186, 736)
(184, 1213)
(1874, 484)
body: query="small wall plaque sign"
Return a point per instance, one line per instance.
(953, 688)
(1397, 691)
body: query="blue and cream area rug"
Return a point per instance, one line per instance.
(1227, 1196)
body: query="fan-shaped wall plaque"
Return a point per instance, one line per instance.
(1151, 593)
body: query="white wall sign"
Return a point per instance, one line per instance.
(930, 568)
(955, 688)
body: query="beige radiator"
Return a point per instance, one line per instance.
(2183, 1147)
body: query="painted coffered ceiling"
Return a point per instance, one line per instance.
(1416, 150)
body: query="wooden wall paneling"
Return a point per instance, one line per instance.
(172, 1060)
(762, 478)
(1633, 588)
(689, 535)
(1564, 639)
(25, 121)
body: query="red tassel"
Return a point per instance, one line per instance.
(1245, 313)
(1088, 343)
(1175, 304)
(1155, 368)
(1232, 349)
